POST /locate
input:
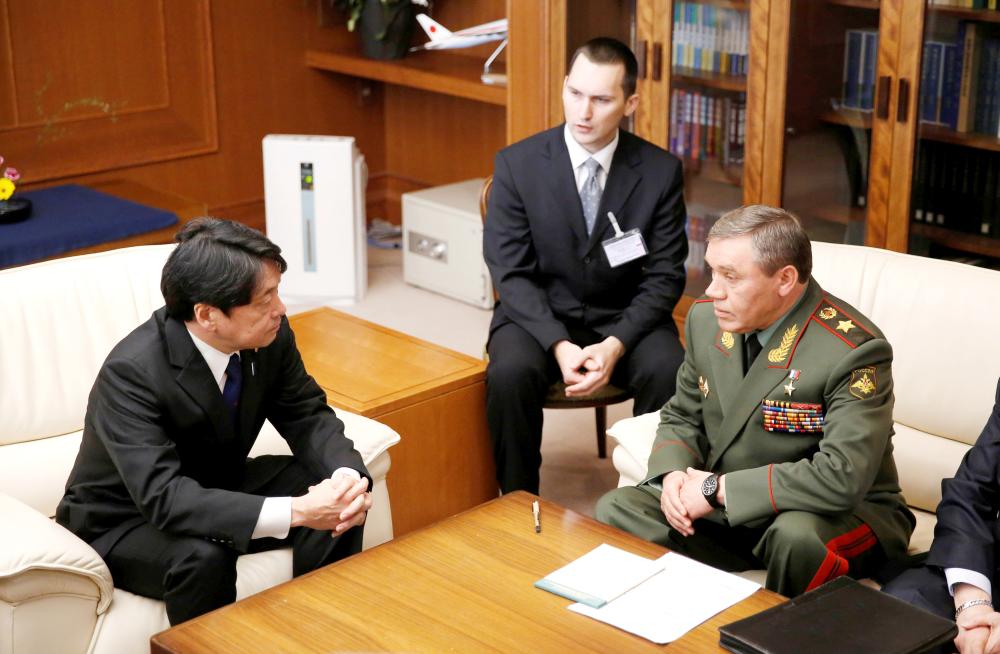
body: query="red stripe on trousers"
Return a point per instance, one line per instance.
(839, 550)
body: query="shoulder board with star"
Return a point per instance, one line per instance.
(841, 324)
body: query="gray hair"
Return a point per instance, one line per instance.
(777, 237)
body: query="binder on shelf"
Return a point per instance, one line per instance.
(870, 49)
(853, 41)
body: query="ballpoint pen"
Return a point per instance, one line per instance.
(535, 513)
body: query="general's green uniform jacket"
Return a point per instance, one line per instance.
(828, 453)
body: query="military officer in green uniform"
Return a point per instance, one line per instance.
(776, 450)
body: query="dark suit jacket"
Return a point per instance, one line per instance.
(548, 272)
(966, 535)
(158, 444)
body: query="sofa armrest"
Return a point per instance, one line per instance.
(45, 570)
(635, 440)
(29, 541)
(370, 438)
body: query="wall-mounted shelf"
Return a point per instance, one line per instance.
(444, 73)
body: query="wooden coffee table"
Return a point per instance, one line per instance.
(462, 585)
(433, 397)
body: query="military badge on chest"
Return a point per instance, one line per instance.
(703, 386)
(793, 417)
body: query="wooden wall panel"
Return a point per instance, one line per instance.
(261, 86)
(537, 56)
(87, 98)
(434, 139)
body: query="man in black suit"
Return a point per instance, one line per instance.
(581, 298)
(162, 487)
(962, 567)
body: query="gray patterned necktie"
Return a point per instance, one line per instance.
(590, 194)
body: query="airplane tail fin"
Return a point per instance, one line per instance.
(435, 30)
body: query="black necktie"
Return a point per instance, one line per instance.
(231, 391)
(751, 349)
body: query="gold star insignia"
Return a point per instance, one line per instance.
(845, 326)
(789, 389)
(703, 386)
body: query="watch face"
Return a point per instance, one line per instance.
(710, 485)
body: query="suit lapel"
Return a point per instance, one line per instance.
(562, 183)
(744, 395)
(621, 181)
(195, 377)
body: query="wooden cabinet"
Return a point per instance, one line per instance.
(839, 113)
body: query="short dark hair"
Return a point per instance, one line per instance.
(776, 235)
(606, 50)
(217, 262)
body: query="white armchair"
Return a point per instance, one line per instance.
(58, 321)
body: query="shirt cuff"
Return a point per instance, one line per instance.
(350, 472)
(275, 518)
(961, 575)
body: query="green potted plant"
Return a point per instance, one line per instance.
(386, 26)
(11, 209)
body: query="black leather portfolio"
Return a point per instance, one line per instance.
(839, 616)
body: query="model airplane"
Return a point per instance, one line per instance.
(441, 38)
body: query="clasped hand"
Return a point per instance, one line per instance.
(682, 501)
(979, 631)
(587, 370)
(333, 505)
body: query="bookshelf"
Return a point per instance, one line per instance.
(853, 175)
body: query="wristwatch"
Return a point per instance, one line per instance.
(710, 489)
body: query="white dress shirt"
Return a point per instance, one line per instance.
(275, 519)
(578, 155)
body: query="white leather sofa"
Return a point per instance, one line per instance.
(943, 322)
(58, 321)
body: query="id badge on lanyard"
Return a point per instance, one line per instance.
(623, 246)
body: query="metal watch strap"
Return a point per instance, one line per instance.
(971, 603)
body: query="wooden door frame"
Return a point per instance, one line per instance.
(899, 177)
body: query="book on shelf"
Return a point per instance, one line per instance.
(957, 188)
(707, 125)
(930, 81)
(710, 38)
(860, 59)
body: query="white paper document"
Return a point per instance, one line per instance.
(680, 597)
(599, 576)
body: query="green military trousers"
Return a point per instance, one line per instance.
(800, 550)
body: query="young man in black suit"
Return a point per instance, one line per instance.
(962, 567)
(162, 487)
(580, 298)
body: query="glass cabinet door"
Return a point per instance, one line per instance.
(833, 48)
(705, 113)
(954, 208)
